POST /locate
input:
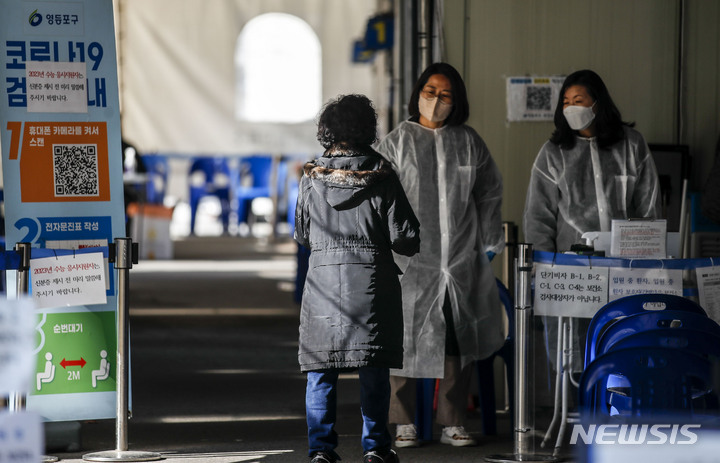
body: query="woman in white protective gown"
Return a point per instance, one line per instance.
(451, 309)
(593, 169)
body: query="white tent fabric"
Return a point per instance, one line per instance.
(177, 72)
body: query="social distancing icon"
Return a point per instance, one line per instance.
(47, 375)
(102, 373)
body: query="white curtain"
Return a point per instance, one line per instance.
(177, 72)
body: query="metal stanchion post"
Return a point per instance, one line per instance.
(16, 400)
(524, 432)
(123, 264)
(23, 269)
(510, 231)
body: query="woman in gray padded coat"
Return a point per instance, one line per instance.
(352, 213)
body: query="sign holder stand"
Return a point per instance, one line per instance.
(523, 432)
(16, 400)
(123, 253)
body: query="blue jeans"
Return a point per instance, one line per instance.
(321, 410)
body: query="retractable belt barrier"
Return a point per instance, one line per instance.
(19, 259)
(123, 253)
(523, 433)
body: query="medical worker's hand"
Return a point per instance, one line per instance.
(490, 255)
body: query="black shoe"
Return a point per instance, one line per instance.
(374, 457)
(322, 457)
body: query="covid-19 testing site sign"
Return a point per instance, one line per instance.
(63, 190)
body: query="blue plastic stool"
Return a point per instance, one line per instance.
(425, 399)
(253, 180)
(424, 410)
(214, 174)
(486, 370)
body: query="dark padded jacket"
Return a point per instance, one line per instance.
(352, 213)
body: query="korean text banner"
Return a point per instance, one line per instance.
(62, 175)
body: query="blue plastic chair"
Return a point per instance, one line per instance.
(699, 342)
(661, 381)
(158, 169)
(210, 176)
(486, 370)
(649, 327)
(290, 172)
(281, 189)
(703, 343)
(425, 395)
(425, 398)
(252, 180)
(631, 305)
(664, 319)
(293, 192)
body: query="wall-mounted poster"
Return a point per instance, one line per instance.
(532, 98)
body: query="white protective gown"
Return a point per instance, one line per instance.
(455, 189)
(581, 190)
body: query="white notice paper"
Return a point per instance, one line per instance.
(17, 342)
(570, 291)
(708, 282)
(56, 87)
(21, 437)
(629, 281)
(645, 239)
(82, 244)
(68, 280)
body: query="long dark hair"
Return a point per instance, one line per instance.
(608, 121)
(461, 108)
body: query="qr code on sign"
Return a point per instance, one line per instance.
(75, 170)
(538, 98)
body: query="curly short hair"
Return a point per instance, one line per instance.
(349, 119)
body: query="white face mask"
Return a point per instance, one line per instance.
(579, 117)
(433, 109)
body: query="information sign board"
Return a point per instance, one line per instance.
(62, 176)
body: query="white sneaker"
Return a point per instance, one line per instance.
(456, 436)
(406, 436)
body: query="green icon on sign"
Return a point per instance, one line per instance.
(76, 353)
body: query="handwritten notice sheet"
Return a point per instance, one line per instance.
(22, 438)
(17, 341)
(708, 282)
(629, 281)
(68, 280)
(645, 239)
(570, 291)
